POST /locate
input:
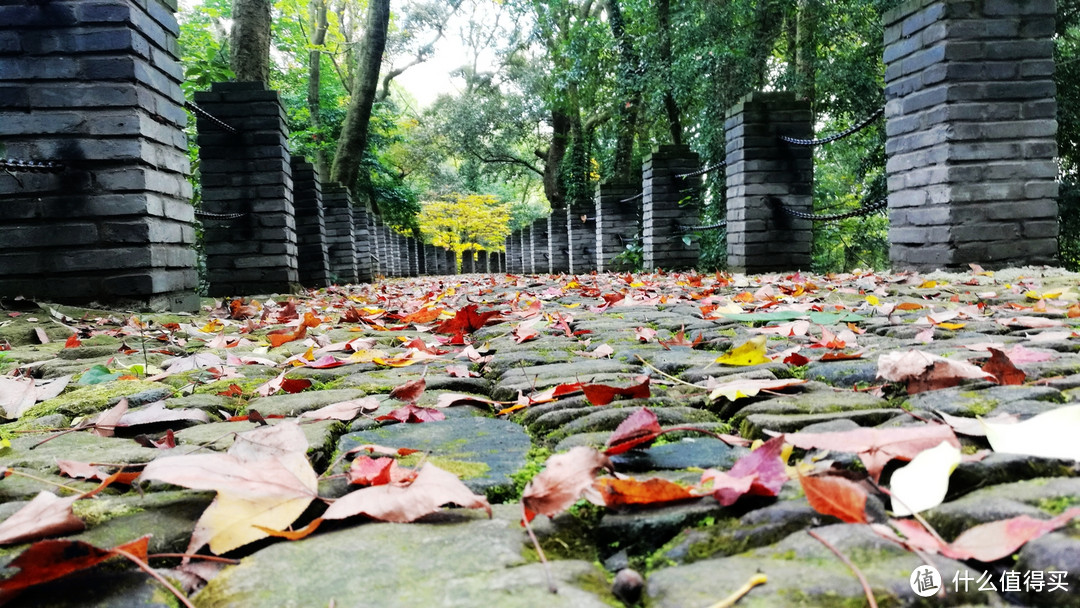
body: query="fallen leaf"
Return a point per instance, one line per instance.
(46, 515)
(344, 410)
(105, 424)
(759, 473)
(1030, 322)
(566, 478)
(995, 540)
(876, 447)
(640, 428)
(644, 334)
(156, 412)
(836, 496)
(430, 489)
(409, 392)
(744, 387)
(73, 341)
(460, 371)
(467, 320)
(751, 352)
(629, 491)
(926, 371)
(368, 471)
(281, 383)
(413, 413)
(49, 560)
(20, 394)
(600, 352)
(602, 394)
(1003, 369)
(1051, 434)
(922, 483)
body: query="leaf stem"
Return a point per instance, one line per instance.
(145, 567)
(729, 601)
(209, 558)
(539, 551)
(668, 376)
(43, 480)
(870, 601)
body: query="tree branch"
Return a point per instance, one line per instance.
(506, 159)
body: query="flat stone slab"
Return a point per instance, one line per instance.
(484, 452)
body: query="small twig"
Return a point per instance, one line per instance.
(731, 440)
(81, 426)
(669, 376)
(729, 601)
(42, 480)
(918, 518)
(539, 551)
(870, 601)
(209, 558)
(145, 567)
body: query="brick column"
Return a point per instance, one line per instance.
(451, 261)
(581, 237)
(247, 173)
(668, 202)
(95, 87)
(502, 262)
(541, 249)
(511, 252)
(431, 260)
(971, 124)
(525, 237)
(615, 220)
(391, 263)
(467, 262)
(558, 245)
(340, 233)
(764, 172)
(313, 263)
(362, 243)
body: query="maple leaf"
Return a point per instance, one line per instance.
(747, 387)
(429, 490)
(460, 371)
(20, 394)
(46, 515)
(600, 352)
(409, 392)
(524, 332)
(566, 478)
(640, 428)
(413, 413)
(49, 560)
(602, 394)
(987, 542)
(278, 337)
(344, 410)
(629, 491)
(157, 412)
(106, 422)
(679, 339)
(368, 471)
(836, 496)
(876, 447)
(265, 480)
(466, 320)
(281, 383)
(1001, 367)
(644, 334)
(759, 473)
(751, 352)
(925, 371)
(424, 315)
(73, 341)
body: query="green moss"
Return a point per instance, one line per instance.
(97, 512)
(788, 555)
(1058, 504)
(464, 469)
(599, 587)
(90, 399)
(981, 407)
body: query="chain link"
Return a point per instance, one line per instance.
(633, 198)
(718, 225)
(30, 166)
(208, 116)
(207, 215)
(702, 171)
(817, 142)
(802, 215)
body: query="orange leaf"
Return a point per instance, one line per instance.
(836, 496)
(1003, 369)
(621, 492)
(73, 341)
(909, 306)
(293, 534)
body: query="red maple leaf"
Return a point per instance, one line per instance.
(466, 320)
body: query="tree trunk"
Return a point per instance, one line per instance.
(249, 55)
(353, 142)
(553, 184)
(318, 38)
(629, 85)
(806, 50)
(663, 18)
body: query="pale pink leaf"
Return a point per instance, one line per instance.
(430, 489)
(46, 515)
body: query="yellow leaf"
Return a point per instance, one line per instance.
(873, 300)
(574, 305)
(952, 326)
(928, 285)
(214, 326)
(751, 352)
(365, 356)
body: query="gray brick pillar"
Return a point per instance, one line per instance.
(362, 243)
(414, 256)
(511, 252)
(431, 261)
(451, 261)
(373, 243)
(391, 264)
(502, 262)
(615, 220)
(340, 233)
(250, 173)
(558, 245)
(971, 124)
(95, 87)
(468, 263)
(666, 203)
(541, 249)
(581, 238)
(403, 260)
(313, 263)
(764, 172)
(525, 239)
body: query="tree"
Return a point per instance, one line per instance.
(354, 131)
(250, 34)
(464, 222)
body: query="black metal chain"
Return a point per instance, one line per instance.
(633, 198)
(208, 116)
(703, 171)
(802, 215)
(30, 166)
(817, 142)
(716, 226)
(207, 215)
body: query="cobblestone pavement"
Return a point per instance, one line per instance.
(955, 361)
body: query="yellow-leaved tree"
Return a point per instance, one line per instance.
(466, 222)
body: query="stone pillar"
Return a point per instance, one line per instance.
(391, 251)
(558, 247)
(95, 88)
(615, 220)
(248, 173)
(971, 126)
(502, 262)
(313, 263)
(431, 260)
(511, 252)
(541, 249)
(764, 172)
(421, 259)
(362, 243)
(581, 238)
(340, 233)
(667, 203)
(486, 257)
(373, 244)
(402, 257)
(451, 261)
(467, 262)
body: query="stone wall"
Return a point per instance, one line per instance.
(581, 241)
(763, 173)
(540, 246)
(362, 243)
(96, 88)
(313, 262)
(616, 220)
(558, 244)
(669, 202)
(340, 233)
(971, 124)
